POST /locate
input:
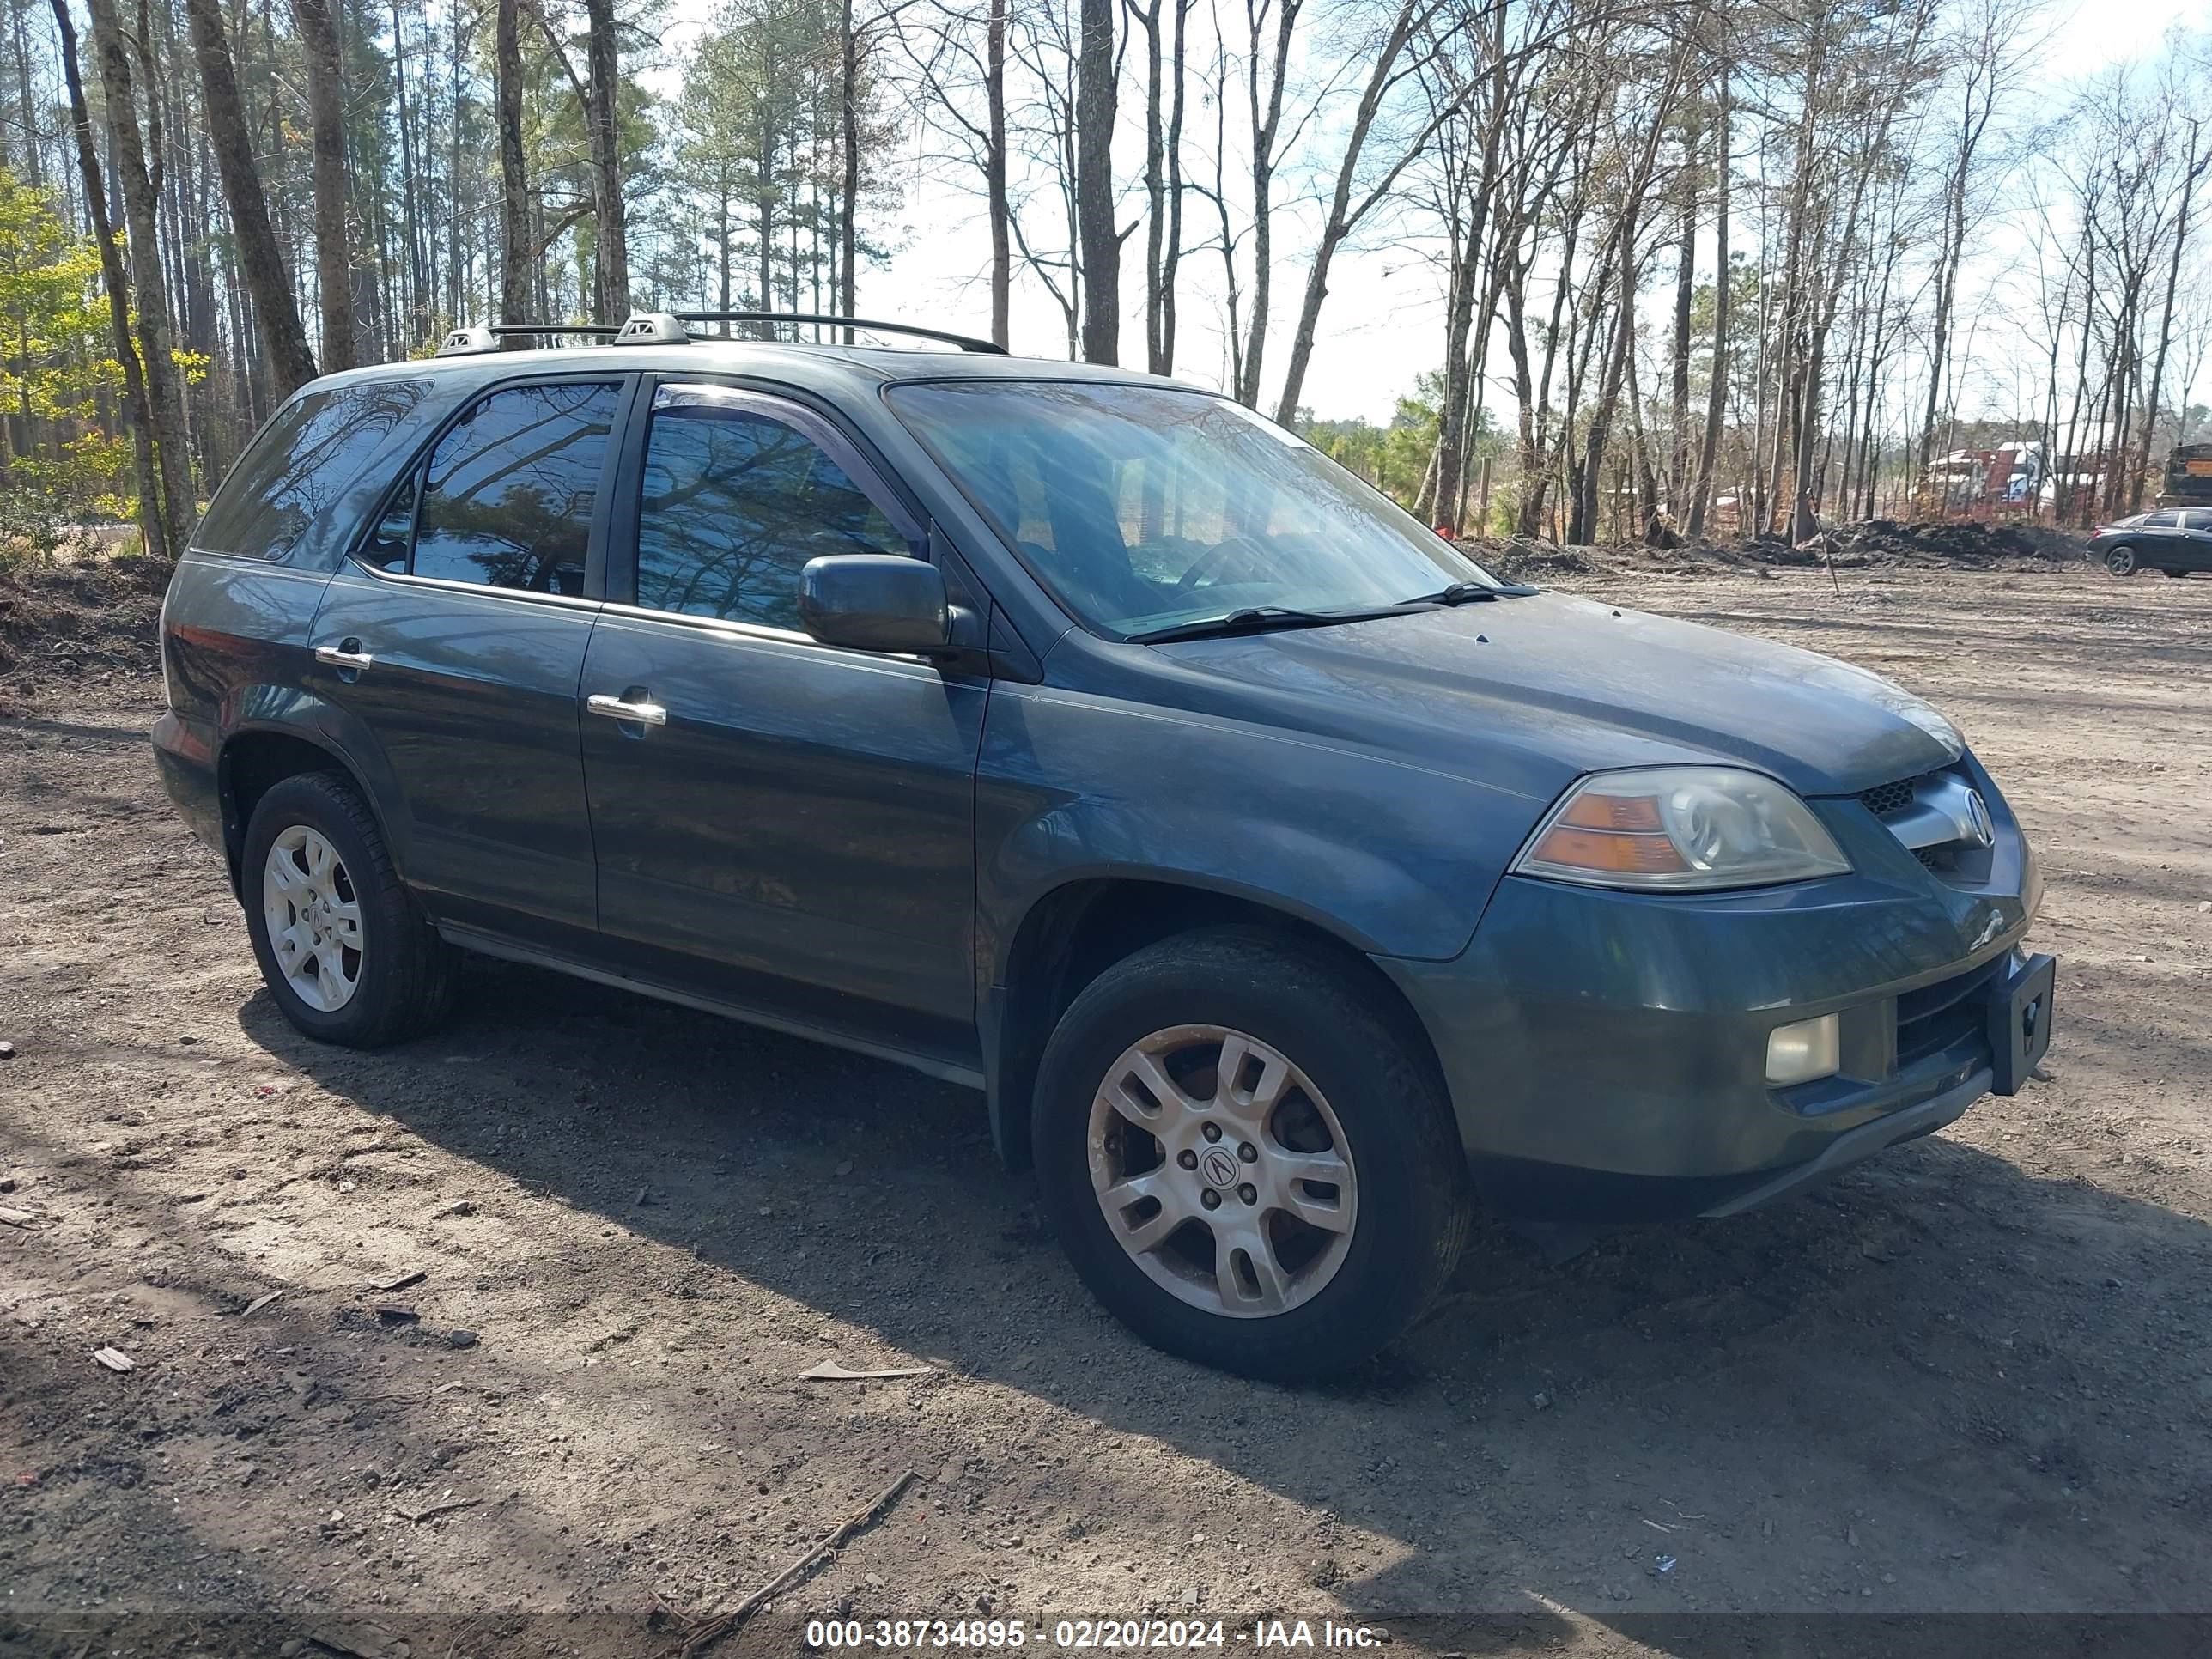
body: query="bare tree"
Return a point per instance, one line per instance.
(157, 329)
(602, 115)
(319, 38)
(291, 364)
(1099, 240)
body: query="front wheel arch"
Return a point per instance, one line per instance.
(1076, 931)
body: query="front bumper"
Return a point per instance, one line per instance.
(1606, 1052)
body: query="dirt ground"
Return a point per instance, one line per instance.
(1971, 1377)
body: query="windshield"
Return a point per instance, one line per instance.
(1144, 506)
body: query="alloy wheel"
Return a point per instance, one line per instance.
(2121, 561)
(315, 918)
(1222, 1171)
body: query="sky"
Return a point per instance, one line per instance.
(1382, 323)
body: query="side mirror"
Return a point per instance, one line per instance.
(875, 602)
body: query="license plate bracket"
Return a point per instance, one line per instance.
(2020, 1009)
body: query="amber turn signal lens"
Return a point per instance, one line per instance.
(1609, 852)
(1633, 815)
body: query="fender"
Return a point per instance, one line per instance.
(1393, 858)
(285, 711)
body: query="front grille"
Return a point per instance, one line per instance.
(1933, 1017)
(1885, 799)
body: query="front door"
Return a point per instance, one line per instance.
(779, 823)
(450, 649)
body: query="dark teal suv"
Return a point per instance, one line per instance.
(1287, 884)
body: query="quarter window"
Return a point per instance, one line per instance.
(506, 499)
(301, 463)
(733, 504)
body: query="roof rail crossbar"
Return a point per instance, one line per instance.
(504, 329)
(965, 342)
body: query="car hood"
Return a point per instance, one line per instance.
(1528, 693)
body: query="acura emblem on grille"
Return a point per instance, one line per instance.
(1979, 829)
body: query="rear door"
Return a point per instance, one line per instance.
(451, 645)
(2195, 547)
(792, 827)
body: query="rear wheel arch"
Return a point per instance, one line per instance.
(1076, 931)
(251, 762)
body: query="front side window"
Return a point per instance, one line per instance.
(506, 498)
(1144, 506)
(303, 460)
(2199, 519)
(733, 504)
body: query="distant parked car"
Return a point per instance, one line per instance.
(2176, 540)
(1286, 882)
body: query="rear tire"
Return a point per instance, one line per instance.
(2121, 561)
(344, 948)
(1339, 1207)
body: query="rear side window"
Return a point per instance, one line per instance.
(506, 498)
(2158, 521)
(734, 503)
(303, 460)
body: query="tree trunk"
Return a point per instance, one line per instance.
(319, 40)
(1686, 280)
(994, 174)
(1717, 396)
(161, 537)
(156, 330)
(2192, 169)
(291, 364)
(848, 239)
(516, 254)
(1100, 241)
(612, 276)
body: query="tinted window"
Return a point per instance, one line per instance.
(2196, 520)
(507, 500)
(300, 464)
(734, 504)
(2158, 521)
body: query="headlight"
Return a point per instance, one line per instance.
(1680, 829)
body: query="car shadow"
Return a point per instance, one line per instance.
(1906, 1391)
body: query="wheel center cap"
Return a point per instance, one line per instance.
(1219, 1166)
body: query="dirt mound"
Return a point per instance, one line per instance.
(1852, 546)
(1960, 543)
(68, 622)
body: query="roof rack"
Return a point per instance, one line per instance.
(488, 337)
(669, 328)
(965, 342)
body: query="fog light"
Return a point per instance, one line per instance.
(1801, 1052)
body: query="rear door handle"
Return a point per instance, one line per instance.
(346, 656)
(637, 713)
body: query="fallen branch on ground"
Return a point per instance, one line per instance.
(708, 1631)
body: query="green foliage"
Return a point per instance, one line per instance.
(58, 370)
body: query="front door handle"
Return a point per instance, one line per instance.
(346, 656)
(637, 712)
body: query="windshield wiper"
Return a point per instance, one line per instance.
(1471, 593)
(1261, 619)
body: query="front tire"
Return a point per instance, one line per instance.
(2121, 561)
(1246, 1158)
(343, 949)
